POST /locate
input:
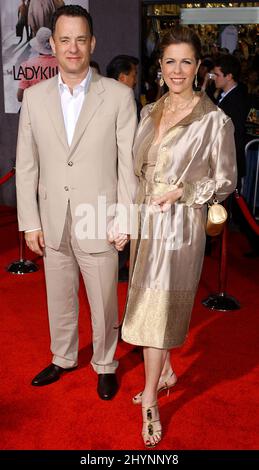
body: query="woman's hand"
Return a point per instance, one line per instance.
(119, 240)
(164, 202)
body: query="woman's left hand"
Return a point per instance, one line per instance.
(164, 202)
(120, 241)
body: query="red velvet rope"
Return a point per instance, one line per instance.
(243, 206)
(7, 176)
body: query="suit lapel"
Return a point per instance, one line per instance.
(91, 103)
(55, 111)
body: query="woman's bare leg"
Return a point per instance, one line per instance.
(167, 379)
(167, 369)
(154, 360)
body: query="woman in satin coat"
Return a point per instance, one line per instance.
(184, 156)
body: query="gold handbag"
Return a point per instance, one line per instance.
(217, 216)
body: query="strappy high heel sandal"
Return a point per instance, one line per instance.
(163, 384)
(152, 431)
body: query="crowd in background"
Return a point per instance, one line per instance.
(247, 52)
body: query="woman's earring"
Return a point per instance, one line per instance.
(161, 81)
(196, 81)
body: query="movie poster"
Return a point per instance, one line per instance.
(26, 52)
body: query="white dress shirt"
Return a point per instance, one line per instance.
(71, 104)
(225, 93)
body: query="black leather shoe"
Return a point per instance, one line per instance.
(107, 386)
(51, 374)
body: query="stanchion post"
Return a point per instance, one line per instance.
(22, 266)
(221, 300)
(223, 261)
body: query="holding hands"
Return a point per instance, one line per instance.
(118, 239)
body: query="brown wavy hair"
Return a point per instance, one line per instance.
(181, 34)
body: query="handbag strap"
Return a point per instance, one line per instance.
(213, 200)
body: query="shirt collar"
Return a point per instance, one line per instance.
(84, 85)
(225, 93)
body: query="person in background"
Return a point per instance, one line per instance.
(74, 153)
(205, 78)
(41, 67)
(233, 100)
(124, 69)
(184, 155)
(94, 65)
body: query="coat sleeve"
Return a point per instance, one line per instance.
(127, 181)
(27, 172)
(223, 171)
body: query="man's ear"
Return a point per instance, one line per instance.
(122, 77)
(52, 43)
(93, 44)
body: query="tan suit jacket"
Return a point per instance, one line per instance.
(49, 173)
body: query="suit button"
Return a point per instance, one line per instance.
(66, 188)
(70, 163)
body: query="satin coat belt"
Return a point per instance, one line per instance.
(155, 188)
(181, 215)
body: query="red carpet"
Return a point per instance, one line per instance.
(213, 406)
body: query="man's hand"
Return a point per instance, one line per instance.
(118, 239)
(164, 202)
(35, 241)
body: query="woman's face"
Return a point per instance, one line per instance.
(179, 67)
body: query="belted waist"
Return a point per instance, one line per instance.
(156, 188)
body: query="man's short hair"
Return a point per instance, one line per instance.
(121, 64)
(72, 10)
(228, 64)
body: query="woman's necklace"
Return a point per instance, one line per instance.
(169, 107)
(167, 120)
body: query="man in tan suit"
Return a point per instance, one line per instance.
(75, 152)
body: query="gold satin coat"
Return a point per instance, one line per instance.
(198, 152)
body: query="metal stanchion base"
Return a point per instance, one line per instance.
(221, 301)
(23, 266)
